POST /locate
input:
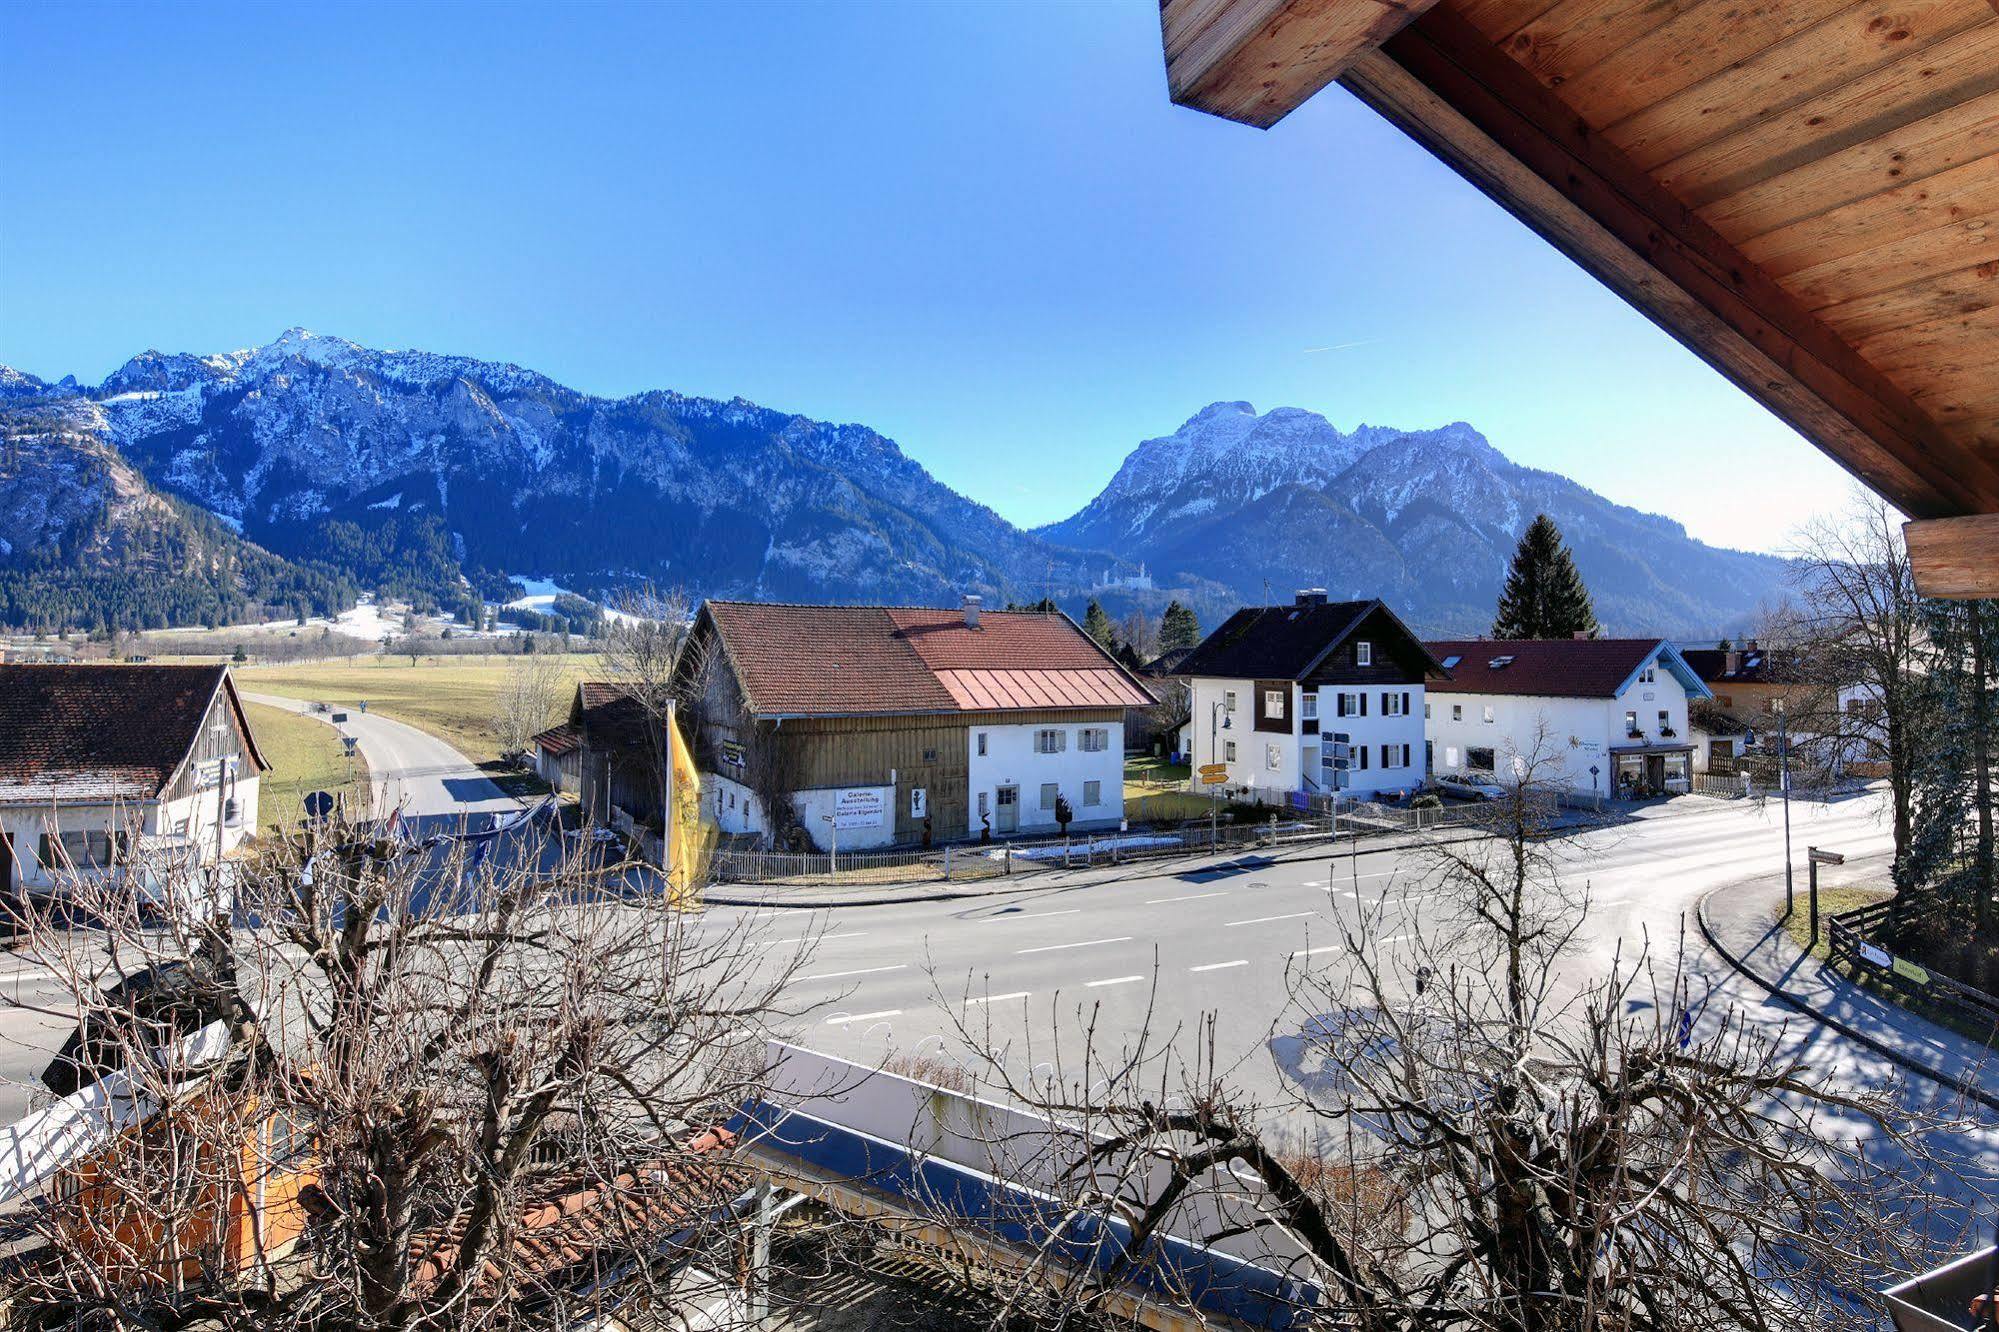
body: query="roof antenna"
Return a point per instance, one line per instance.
(1266, 591)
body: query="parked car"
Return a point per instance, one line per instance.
(1470, 788)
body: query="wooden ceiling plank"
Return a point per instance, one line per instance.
(1955, 557)
(1699, 42)
(1576, 35)
(1917, 257)
(1960, 194)
(1961, 291)
(1913, 152)
(1756, 91)
(1500, 19)
(1956, 343)
(1256, 61)
(1447, 86)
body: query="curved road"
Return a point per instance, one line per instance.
(430, 780)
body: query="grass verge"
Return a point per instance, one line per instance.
(305, 756)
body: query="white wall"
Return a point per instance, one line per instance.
(1577, 733)
(729, 805)
(192, 817)
(1281, 762)
(1010, 760)
(813, 806)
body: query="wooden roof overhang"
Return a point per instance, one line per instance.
(1803, 192)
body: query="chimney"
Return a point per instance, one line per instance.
(1580, 635)
(1311, 596)
(1731, 663)
(972, 604)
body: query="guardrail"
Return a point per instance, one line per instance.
(1849, 936)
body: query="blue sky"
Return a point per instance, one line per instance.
(982, 230)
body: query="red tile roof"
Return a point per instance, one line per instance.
(1543, 667)
(102, 731)
(558, 740)
(796, 660)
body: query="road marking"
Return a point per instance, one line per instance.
(1081, 943)
(1115, 980)
(820, 938)
(864, 971)
(1323, 948)
(1222, 966)
(1191, 897)
(1265, 920)
(1036, 915)
(841, 1020)
(997, 998)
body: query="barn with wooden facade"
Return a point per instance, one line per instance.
(887, 725)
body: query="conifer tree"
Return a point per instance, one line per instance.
(1098, 625)
(1178, 628)
(1544, 596)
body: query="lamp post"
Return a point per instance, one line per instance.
(1215, 710)
(1784, 788)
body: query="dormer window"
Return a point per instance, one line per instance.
(1363, 654)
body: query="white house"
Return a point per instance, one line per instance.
(891, 725)
(99, 762)
(1602, 715)
(1314, 697)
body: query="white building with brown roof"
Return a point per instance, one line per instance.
(881, 725)
(98, 761)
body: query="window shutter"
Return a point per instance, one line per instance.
(1405, 702)
(1343, 705)
(1362, 751)
(1405, 756)
(1363, 705)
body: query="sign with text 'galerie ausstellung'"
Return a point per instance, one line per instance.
(859, 807)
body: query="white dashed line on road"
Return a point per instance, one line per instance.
(863, 971)
(1323, 948)
(842, 1019)
(1080, 943)
(818, 938)
(1265, 920)
(1190, 897)
(1115, 980)
(996, 998)
(1222, 966)
(1036, 915)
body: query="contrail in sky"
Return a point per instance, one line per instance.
(1342, 346)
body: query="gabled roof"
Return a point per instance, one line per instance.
(105, 732)
(1556, 667)
(1283, 642)
(802, 661)
(1752, 666)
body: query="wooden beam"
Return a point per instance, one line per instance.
(1955, 557)
(1255, 61)
(1449, 87)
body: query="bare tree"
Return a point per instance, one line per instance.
(1140, 632)
(401, 1091)
(1489, 1135)
(529, 702)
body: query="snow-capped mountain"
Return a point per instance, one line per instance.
(435, 476)
(410, 466)
(1424, 518)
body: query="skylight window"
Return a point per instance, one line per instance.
(1450, 662)
(1500, 663)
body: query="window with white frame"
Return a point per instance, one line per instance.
(1488, 714)
(1391, 705)
(1050, 793)
(1273, 757)
(1311, 706)
(1631, 723)
(1450, 756)
(1093, 793)
(1353, 705)
(1228, 701)
(1478, 759)
(982, 744)
(1426, 709)
(1093, 739)
(1457, 712)
(1665, 721)
(1050, 741)
(1273, 704)
(1650, 675)
(1228, 751)
(1363, 654)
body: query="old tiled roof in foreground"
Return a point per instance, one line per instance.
(101, 731)
(797, 660)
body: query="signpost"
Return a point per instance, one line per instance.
(1213, 774)
(1816, 858)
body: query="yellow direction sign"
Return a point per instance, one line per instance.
(1214, 769)
(1214, 778)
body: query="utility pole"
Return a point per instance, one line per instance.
(668, 814)
(1784, 786)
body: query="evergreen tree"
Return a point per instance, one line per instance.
(1544, 596)
(1178, 628)
(1098, 625)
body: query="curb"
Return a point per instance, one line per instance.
(1958, 1085)
(710, 898)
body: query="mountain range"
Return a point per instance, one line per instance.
(295, 472)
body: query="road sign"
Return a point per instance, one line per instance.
(1212, 770)
(318, 804)
(1827, 857)
(1214, 778)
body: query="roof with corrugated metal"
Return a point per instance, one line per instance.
(796, 660)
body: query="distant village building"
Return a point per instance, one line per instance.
(884, 725)
(604, 754)
(1831, 727)
(1607, 715)
(1315, 697)
(99, 762)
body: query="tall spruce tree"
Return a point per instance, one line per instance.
(1178, 628)
(1544, 596)
(1098, 625)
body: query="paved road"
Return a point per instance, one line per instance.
(1033, 972)
(430, 780)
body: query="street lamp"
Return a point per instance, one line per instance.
(1215, 710)
(1784, 787)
